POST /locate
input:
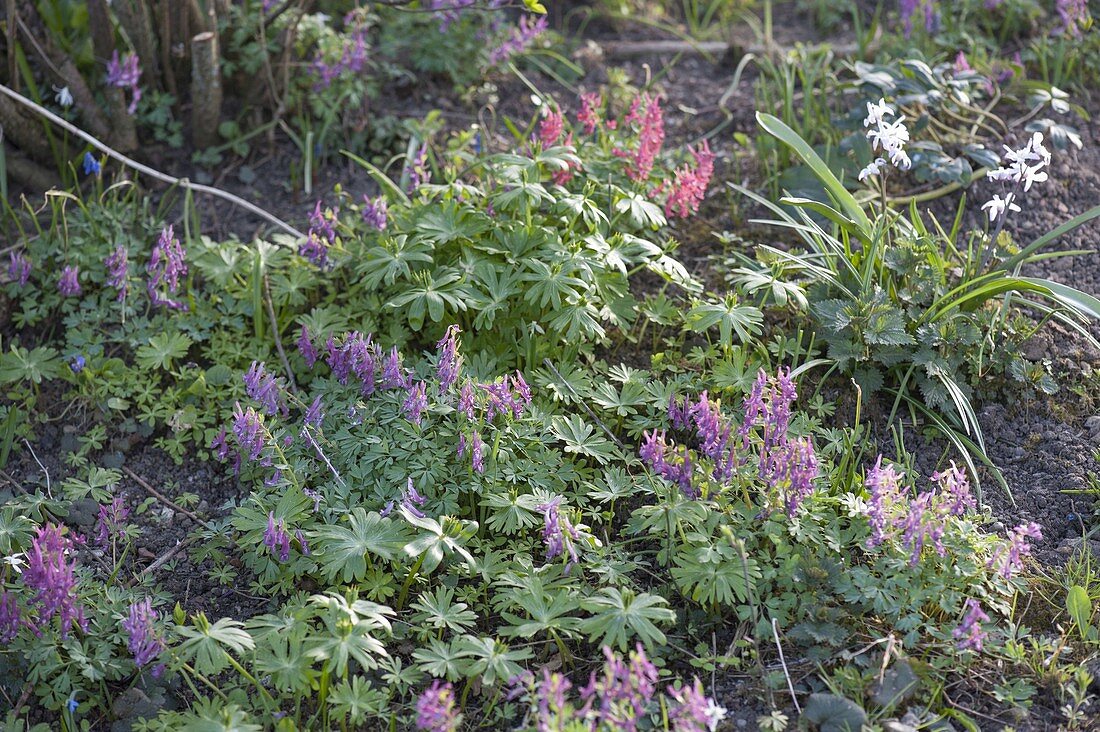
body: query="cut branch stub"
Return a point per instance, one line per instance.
(206, 89)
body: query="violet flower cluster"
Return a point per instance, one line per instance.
(908, 9)
(1074, 15)
(68, 283)
(922, 521)
(435, 709)
(320, 237)
(519, 40)
(126, 74)
(786, 465)
(263, 388)
(10, 618)
(50, 573)
(111, 521)
(117, 263)
(417, 170)
(276, 537)
(411, 501)
(1009, 557)
(617, 697)
(558, 533)
(143, 640)
(167, 264)
(969, 633)
(19, 268)
(352, 61)
(375, 212)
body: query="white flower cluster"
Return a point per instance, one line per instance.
(1025, 168)
(890, 137)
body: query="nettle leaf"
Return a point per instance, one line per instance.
(620, 615)
(581, 438)
(343, 551)
(832, 713)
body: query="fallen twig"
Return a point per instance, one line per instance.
(31, 449)
(162, 498)
(164, 558)
(145, 169)
(584, 406)
(783, 661)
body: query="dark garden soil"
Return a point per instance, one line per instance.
(1045, 446)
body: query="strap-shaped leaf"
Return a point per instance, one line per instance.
(840, 195)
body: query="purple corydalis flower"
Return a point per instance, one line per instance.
(248, 427)
(921, 525)
(51, 575)
(555, 528)
(664, 460)
(320, 222)
(884, 485)
(314, 415)
(220, 445)
(393, 375)
(1009, 557)
(111, 521)
(449, 361)
(10, 619)
(167, 264)
(315, 250)
(477, 453)
(19, 268)
(262, 388)
(520, 38)
(126, 74)
(623, 691)
(375, 212)
(467, 400)
(143, 640)
(693, 710)
(353, 59)
(550, 694)
(969, 634)
(435, 709)
(955, 489)
(117, 272)
(416, 401)
(1075, 16)
(305, 347)
(417, 169)
(276, 537)
(68, 284)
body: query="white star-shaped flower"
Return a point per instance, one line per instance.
(996, 206)
(16, 561)
(63, 96)
(715, 714)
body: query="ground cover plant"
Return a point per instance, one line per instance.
(576, 398)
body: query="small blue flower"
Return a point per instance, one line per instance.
(72, 704)
(91, 165)
(77, 364)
